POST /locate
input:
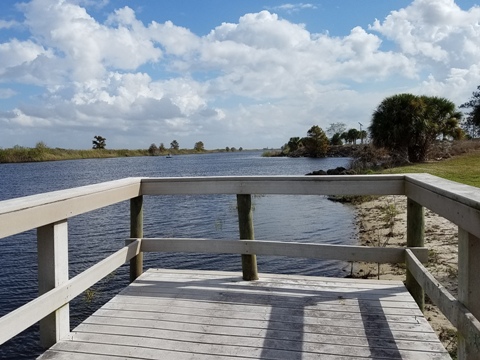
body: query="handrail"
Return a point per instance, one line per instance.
(25, 316)
(50, 212)
(316, 251)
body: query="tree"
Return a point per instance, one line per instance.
(336, 139)
(153, 149)
(293, 144)
(316, 142)
(472, 122)
(174, 145)
(227, 149)
(161, 148)
(199, 146)
(352, 135)
(336, 128)
(99, 142)
(408, 124)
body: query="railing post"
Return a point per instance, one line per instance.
(468, 287)
(52, 247)
(415, 238)
(136, 231)
(245, 225)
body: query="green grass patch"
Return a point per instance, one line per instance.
(464, 169)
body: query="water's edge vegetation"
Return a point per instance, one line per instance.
(20, 154)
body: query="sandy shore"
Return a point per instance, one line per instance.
(382, 222)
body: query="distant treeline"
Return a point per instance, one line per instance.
(41, 152)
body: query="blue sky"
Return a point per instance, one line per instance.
(245, 73)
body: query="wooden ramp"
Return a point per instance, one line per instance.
(179, 314)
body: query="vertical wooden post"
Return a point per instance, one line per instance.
(136, 231)
(52, 247)
(245, 225)
(415, 238)
(468, 287)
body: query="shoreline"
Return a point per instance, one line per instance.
(382, 222)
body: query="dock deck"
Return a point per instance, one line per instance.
(192, 314)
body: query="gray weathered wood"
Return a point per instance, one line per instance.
(469, 289)
(456, 202)
(30, 212)
(136, 231)
(245, 226)
(275, 319)
(279, 248)
(457, 313)
(25, 316)
(415, 238)
(287, 185)
(52, 245)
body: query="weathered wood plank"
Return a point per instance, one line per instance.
(52, 248)
(172, 324)
(25, 316)
(286, 185)
(278, 248)
(454, 310)
(456, 202)
(18, 215)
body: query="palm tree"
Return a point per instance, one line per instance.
(408, 124)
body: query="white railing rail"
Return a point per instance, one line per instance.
(49, 213)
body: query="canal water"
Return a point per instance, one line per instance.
(95, 235)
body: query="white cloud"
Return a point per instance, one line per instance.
(249, 77)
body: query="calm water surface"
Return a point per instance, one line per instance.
(95, 235)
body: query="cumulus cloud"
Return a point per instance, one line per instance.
(260, 72)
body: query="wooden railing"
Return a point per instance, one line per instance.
(49, 213)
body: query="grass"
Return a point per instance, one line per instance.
(464, 168)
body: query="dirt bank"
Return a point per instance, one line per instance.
(382, 222)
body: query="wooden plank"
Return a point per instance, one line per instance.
(170, 324)
(25, 316)
(18, 215)
(453, 205)
(173, 324)
(52, 245)
(454, 310)
(312, 336)
(469, 290)
(278, 248)
(286, 185)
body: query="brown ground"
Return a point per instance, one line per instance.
(382, 222)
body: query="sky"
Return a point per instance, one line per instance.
(238, 73)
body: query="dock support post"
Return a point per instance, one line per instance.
(136, 231)
(52, 247)
(245, 225)
(468, 287)
(415, 238)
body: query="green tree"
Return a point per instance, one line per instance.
(161, 148)
(227, 149)
(472, 122)
(293, 144)
(199, 146)
(408, 124)
(316, 142)
(99, 142)
(153, 149)
(336, 139)
(174, 145)
(352, 135)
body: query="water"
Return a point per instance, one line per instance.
(95, 235)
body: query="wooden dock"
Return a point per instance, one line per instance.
(192, 314)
